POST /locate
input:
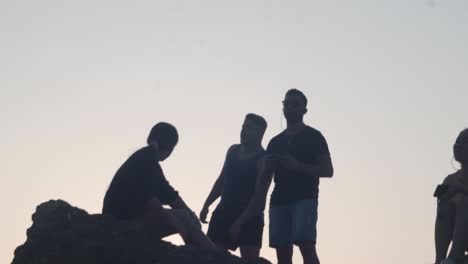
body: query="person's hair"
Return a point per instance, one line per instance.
(295, 91)
(258, 120)
(464, 131)
(165, 134)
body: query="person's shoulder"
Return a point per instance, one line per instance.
(231, 151)
(144, 151)
(277, 138)
(450, 179)
(233, 147)
(275, 141)
(143, 154)
(312, 131)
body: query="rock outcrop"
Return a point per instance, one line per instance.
(62, 234)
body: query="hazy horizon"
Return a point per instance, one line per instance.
(83, 82)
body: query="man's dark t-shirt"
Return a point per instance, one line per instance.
(136, 182)
(305, 146)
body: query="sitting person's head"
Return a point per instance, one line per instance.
(460, 148)
(253, 129)
(163, 138)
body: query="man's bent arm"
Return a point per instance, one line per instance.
(179, 203)
(216, 191)
(324, 168)
(154, 206)
(217, 188)
(154, 210)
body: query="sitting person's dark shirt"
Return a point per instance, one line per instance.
(136, 182)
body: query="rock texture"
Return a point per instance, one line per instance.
(62, 234)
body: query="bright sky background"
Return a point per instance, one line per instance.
(82, 82)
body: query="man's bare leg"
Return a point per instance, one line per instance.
(309, 252)
(284, 254)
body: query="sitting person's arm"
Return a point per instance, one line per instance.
(180, 204)
(167, 195)
(154, 210)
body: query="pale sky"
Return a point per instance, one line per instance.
(82, 82)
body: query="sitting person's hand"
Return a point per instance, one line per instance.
(194, 219)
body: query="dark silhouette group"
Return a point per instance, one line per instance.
(295, 160)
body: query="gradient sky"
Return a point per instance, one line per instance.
(82, 82)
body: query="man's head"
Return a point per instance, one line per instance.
(253, 129)
(294, 106)
(163, 137)
(460, 148)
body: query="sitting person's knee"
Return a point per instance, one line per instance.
(188, 218)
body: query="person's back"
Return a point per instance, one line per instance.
(139, 190)
(134, 184)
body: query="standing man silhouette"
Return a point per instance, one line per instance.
(298, 157)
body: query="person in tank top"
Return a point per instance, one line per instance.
(236, 185)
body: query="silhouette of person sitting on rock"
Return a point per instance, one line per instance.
(139, 190)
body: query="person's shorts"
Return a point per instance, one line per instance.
(293, 223)
(221, 220)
